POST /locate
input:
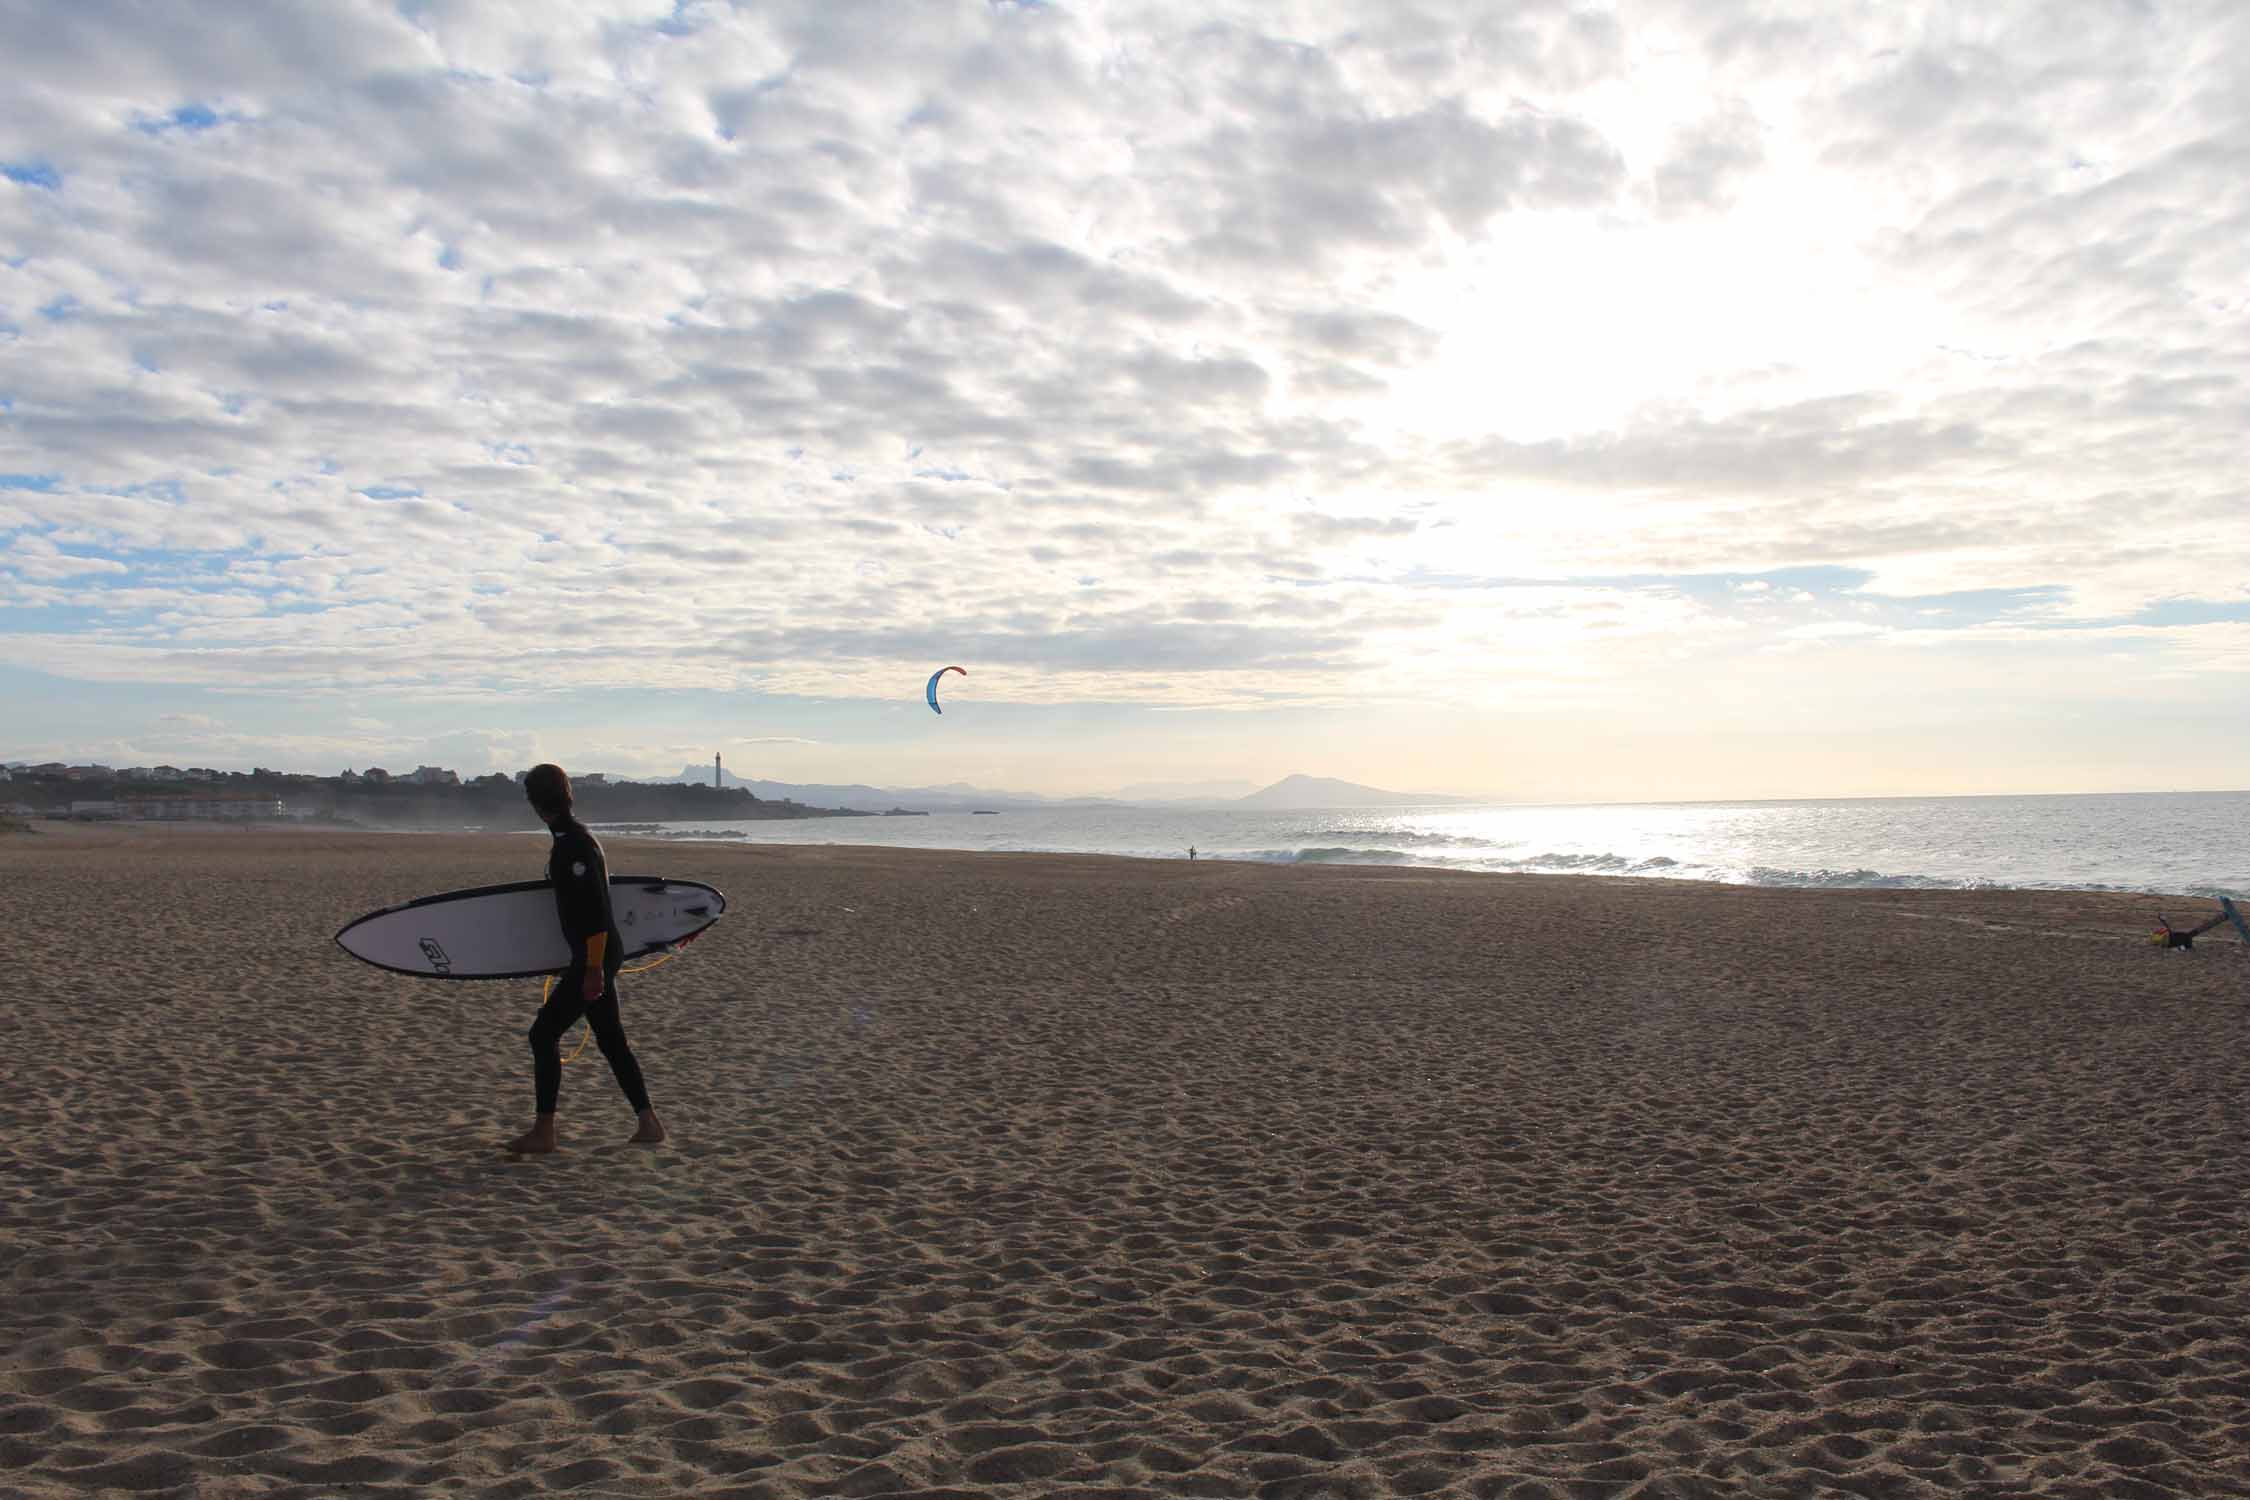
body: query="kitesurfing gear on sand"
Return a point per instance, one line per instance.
(2168, 936)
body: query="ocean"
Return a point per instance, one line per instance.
(2176, 843)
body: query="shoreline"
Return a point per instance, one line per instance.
(64, 828)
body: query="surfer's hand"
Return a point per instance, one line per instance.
(590, 988)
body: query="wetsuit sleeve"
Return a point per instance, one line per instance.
(581, 881)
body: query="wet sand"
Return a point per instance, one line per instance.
(1035, 1175)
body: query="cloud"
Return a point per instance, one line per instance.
(481, 751)
(1153, 354)
(1709, 161)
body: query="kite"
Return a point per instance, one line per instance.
(930, 692)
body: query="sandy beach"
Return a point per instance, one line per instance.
(1038, 1175)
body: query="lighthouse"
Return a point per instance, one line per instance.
(717, 784)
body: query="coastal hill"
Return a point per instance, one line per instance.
(167, 794)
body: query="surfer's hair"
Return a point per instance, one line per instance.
(548, 787)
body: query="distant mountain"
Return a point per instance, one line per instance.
(702, 776)
(1294, 792)
(955, 796)
(1183, 791)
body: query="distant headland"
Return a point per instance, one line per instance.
(435, 797)
(427, 797)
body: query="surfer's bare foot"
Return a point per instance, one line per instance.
(537, 1141)
(651, 1131)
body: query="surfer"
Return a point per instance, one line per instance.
(580, 876)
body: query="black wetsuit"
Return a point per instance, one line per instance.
(580, 876)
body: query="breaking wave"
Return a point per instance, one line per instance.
(1654, 867)
(2190, 843)
(1398, 837)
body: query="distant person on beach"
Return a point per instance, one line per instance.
(1191, 852)
(588, 988)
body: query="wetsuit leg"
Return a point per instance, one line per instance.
(609, 1034)
(558, 1015)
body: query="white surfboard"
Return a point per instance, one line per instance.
(512, 932)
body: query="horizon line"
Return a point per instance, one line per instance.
(1457, 799)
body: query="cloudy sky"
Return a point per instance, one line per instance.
(1629, 400)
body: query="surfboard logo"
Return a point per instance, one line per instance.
(436, 956)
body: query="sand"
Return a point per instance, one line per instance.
(1031, 1175)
